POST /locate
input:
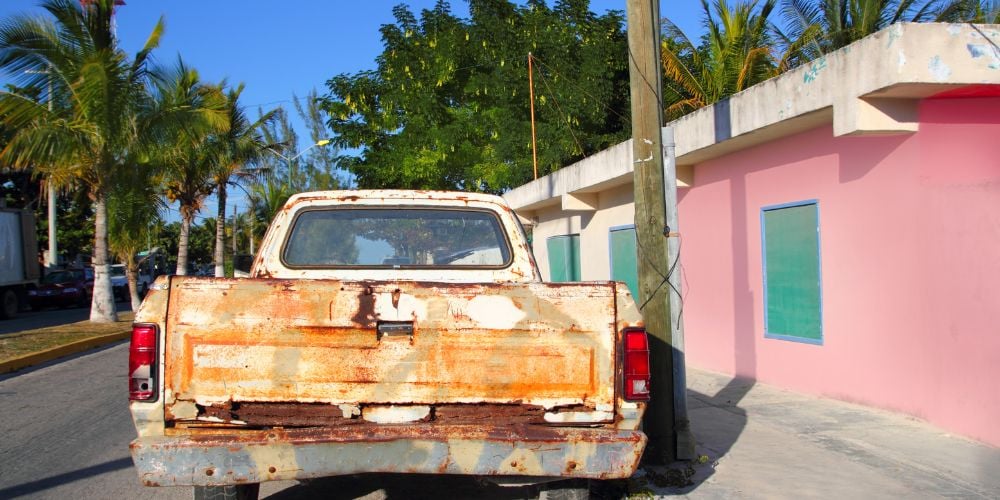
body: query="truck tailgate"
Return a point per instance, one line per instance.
(318, 341)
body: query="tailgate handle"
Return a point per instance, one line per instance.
(395, 329)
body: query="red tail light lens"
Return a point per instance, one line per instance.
(636, 365)
(142, 363)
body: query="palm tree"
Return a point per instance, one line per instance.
(817, 27)
(187, 155)
(269, 196)
(134, 207)
(734, 54)
(98, 95)
(238, 147)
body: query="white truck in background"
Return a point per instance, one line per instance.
(19, 271)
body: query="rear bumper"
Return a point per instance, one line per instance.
(257, 456)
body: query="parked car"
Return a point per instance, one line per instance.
(63, 289)
(119, 282)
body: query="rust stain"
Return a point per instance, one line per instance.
(365, 313)
(368, 432)
(278, 414)
(314, 341)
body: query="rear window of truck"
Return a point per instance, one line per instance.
(396, 238)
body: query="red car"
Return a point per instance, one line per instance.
(70, 287)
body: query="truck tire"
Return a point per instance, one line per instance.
(231, 492)
(9, 304)
(572, 489)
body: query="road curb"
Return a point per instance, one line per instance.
(61, 351)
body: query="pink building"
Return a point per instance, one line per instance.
(840, 225)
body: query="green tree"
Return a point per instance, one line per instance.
(284, 143)
(239, 150)
(98, 95)
(734, 54)
(186, 154)
(817, 27)
(134, 206)
(448, 105)
(268, 197)
(322, 164)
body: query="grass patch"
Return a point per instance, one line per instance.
(19, 344)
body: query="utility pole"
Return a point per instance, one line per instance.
(52, 259)
(650, 222)
(531, 97)
(235, 213)
(53, 247)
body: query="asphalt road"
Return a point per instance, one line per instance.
(65, 431)
(49, 317)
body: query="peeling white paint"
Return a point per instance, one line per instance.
(406, 308)
(184, 409)
(395, 414)
(349, 411)
(578, 417)
(495, 311)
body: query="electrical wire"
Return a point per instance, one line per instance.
(569, 124)
(579, 89)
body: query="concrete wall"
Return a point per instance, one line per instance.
(615, 208)
(909, 204)
(909, 232)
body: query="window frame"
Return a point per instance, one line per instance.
(500, 229)
(578, 262)
(611, 255)
(819, 273)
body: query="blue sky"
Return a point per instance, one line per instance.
(285, 47)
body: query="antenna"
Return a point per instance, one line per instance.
(531, 94)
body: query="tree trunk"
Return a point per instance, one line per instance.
(220, 233)
(182, 245)
(131, 272)
(102, 305)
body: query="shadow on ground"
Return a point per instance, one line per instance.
(392, 486)
(716, 422)
(60, 479)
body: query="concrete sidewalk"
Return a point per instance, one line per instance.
(763, 442)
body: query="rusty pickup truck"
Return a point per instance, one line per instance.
(386, 332)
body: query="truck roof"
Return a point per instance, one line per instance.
(415, 196)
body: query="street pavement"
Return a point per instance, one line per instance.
(66, 429)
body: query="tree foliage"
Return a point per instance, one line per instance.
(817, 27)
(734, 54)
(98, 96)
(448, 105)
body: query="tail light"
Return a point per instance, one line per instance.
(636, 365)
(142, 363)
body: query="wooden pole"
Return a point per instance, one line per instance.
(650, 221)
(531, 94)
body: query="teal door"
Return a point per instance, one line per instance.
(625, 258)
(564, 258)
